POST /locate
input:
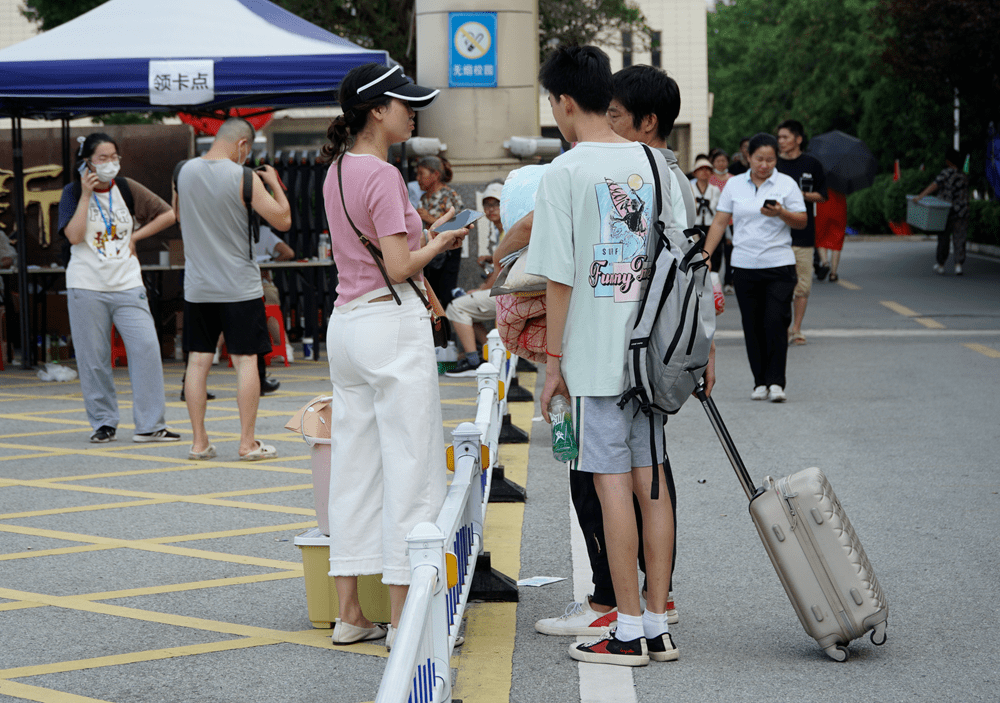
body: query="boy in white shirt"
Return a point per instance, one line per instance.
(593, 216)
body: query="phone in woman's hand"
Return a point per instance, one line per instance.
(770, 203)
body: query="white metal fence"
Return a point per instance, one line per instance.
(443, 553)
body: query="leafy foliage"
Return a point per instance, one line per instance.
(52, 13)
(374, 24)
(770, 60)
(864, 208)
(946, 44)
(984, 221)
(578, 22)
(911, 181)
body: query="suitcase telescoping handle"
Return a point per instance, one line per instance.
(727, 442)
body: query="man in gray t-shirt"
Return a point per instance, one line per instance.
(222, 287)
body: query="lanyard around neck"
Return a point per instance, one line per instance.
(109, 220)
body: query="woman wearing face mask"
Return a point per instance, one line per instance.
(765, 206)
(104, 287)
(720, 168)
(433, 176)
(387, 470)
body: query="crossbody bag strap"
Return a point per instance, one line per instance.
(375, 252)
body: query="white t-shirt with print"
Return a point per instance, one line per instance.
(103, 260)
(593, 212)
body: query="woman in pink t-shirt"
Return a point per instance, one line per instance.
(387, 468)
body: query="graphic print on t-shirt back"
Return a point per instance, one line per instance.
(620, 259)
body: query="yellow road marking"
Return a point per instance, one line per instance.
(906, 312)
(134, 657)
(485, 666)
(42, 695)
(848, 285)
(900, 309)
(984, 350)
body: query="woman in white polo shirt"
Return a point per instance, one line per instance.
(765, 205)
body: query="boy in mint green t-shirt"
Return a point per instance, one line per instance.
(593, 217)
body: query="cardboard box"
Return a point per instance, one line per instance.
(321, 593)
(316, 418)
(313, 421)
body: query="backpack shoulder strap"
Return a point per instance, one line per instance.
(656, 179)
(177, 171)
(253, 224)
(126, 190)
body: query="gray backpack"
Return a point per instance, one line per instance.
(668, 352)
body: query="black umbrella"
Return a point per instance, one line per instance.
(849, 164)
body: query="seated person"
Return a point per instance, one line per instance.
(271, 248)
(468, 312)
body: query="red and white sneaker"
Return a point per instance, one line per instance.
(662, 648)
(611, 650)
(579, 619)
(672, 617)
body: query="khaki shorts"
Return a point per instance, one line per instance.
(804, 270)
(477, 306)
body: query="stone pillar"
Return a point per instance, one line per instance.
(474, 122)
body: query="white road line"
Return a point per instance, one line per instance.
(860, 333)
(599, 683)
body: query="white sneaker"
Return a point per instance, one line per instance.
(672, 617)
(579, 619)
(776, 394)
(958, 269)
(938, 268)
(759, 393)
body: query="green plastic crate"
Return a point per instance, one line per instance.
(930, 214)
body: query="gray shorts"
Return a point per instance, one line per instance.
(613, 441)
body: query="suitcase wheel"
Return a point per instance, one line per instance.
(878, 634)
(838, 653)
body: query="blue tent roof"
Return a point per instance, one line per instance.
(147, 55)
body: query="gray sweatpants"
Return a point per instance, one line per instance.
(91, 314)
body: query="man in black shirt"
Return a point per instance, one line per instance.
(808, 172)
(741, 161)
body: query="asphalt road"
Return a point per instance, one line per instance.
(131, 575)
(901, 414)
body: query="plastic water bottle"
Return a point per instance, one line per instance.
(720, 299)
(324, 247)
(563, 441)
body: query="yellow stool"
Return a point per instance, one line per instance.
(321, 593)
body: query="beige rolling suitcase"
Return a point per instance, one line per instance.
(815, 551)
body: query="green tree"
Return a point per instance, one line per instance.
(569, 22)
(389, 24)
(52, 13)
(822, 64)
(770, 60)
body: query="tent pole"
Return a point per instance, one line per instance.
(66, 152)
(17, 151)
